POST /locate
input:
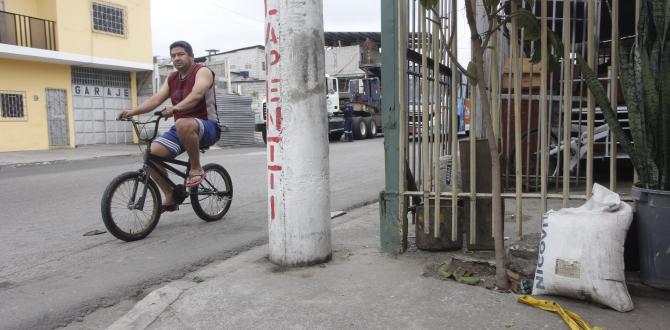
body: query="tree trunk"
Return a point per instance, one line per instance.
(501, 275)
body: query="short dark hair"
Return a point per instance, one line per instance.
(183, 44)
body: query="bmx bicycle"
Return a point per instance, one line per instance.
(131, 203)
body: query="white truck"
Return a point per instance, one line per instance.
(364, 95)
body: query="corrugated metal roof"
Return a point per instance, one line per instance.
(336, 39)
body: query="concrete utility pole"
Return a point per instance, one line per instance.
(297, 139)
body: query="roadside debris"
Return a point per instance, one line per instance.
(573, 320)
(468, 271)
(94, 232)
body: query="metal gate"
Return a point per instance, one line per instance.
(98, 97)
(57, 117)
(543, 119)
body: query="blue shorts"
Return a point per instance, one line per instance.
(208, 131)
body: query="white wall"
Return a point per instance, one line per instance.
(252, 60)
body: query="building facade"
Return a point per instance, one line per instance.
(248, 62)
(69, 67)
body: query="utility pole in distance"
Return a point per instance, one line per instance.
(297, 139)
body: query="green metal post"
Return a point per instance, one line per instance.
(392, 224)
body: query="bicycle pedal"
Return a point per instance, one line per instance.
(169, 208)
(180, 193)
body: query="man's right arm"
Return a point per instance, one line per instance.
(150, 104)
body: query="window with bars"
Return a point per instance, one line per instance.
(100, 77)
(11, 106)
(109, 18)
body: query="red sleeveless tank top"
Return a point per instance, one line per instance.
(180, 88)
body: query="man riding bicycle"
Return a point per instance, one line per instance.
(191, 90)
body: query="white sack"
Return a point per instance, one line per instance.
(581, 251)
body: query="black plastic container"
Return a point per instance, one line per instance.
(652, 211)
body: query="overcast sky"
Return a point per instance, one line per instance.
(231, 24)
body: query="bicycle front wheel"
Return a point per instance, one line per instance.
(212, 198)
(128, 214)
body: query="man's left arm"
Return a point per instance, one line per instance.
(203, 80)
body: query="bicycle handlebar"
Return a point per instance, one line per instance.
(136, 123)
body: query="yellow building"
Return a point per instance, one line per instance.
(68, 67)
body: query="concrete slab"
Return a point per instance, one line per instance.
(363, 287)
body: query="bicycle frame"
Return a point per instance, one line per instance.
(155, 162)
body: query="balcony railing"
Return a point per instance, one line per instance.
(27, 31)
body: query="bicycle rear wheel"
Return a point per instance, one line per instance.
(212, 198)
(124, 213)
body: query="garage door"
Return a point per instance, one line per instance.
(98, 96)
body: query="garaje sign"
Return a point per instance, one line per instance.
(99, 91)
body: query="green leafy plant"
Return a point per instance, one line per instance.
(645, 72)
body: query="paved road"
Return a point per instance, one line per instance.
(50, 274)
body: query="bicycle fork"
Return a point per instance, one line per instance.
(139, 204)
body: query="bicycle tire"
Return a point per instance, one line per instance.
(212, 198)
(116, 201)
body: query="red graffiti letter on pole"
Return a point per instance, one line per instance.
(274, 104)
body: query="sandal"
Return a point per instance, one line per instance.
(194, 179)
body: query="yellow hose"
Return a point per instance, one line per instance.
(573, 320)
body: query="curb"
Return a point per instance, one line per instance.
(147, 310)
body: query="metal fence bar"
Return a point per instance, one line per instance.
(567, 98)
(425, 100)
(414, 46)
(582, 84)
(590, 101)
(614, 88)
(543, 107)
(448, 195)
(402, 120)
(454, 128)
(437, 129)
(473, 157)
(638, 4)
(552, 173)
(515, 60)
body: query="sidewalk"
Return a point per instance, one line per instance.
(51, 156)
(44, 157)
(361, 287)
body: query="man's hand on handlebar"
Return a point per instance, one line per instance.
(125, 114)
(168, 112)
